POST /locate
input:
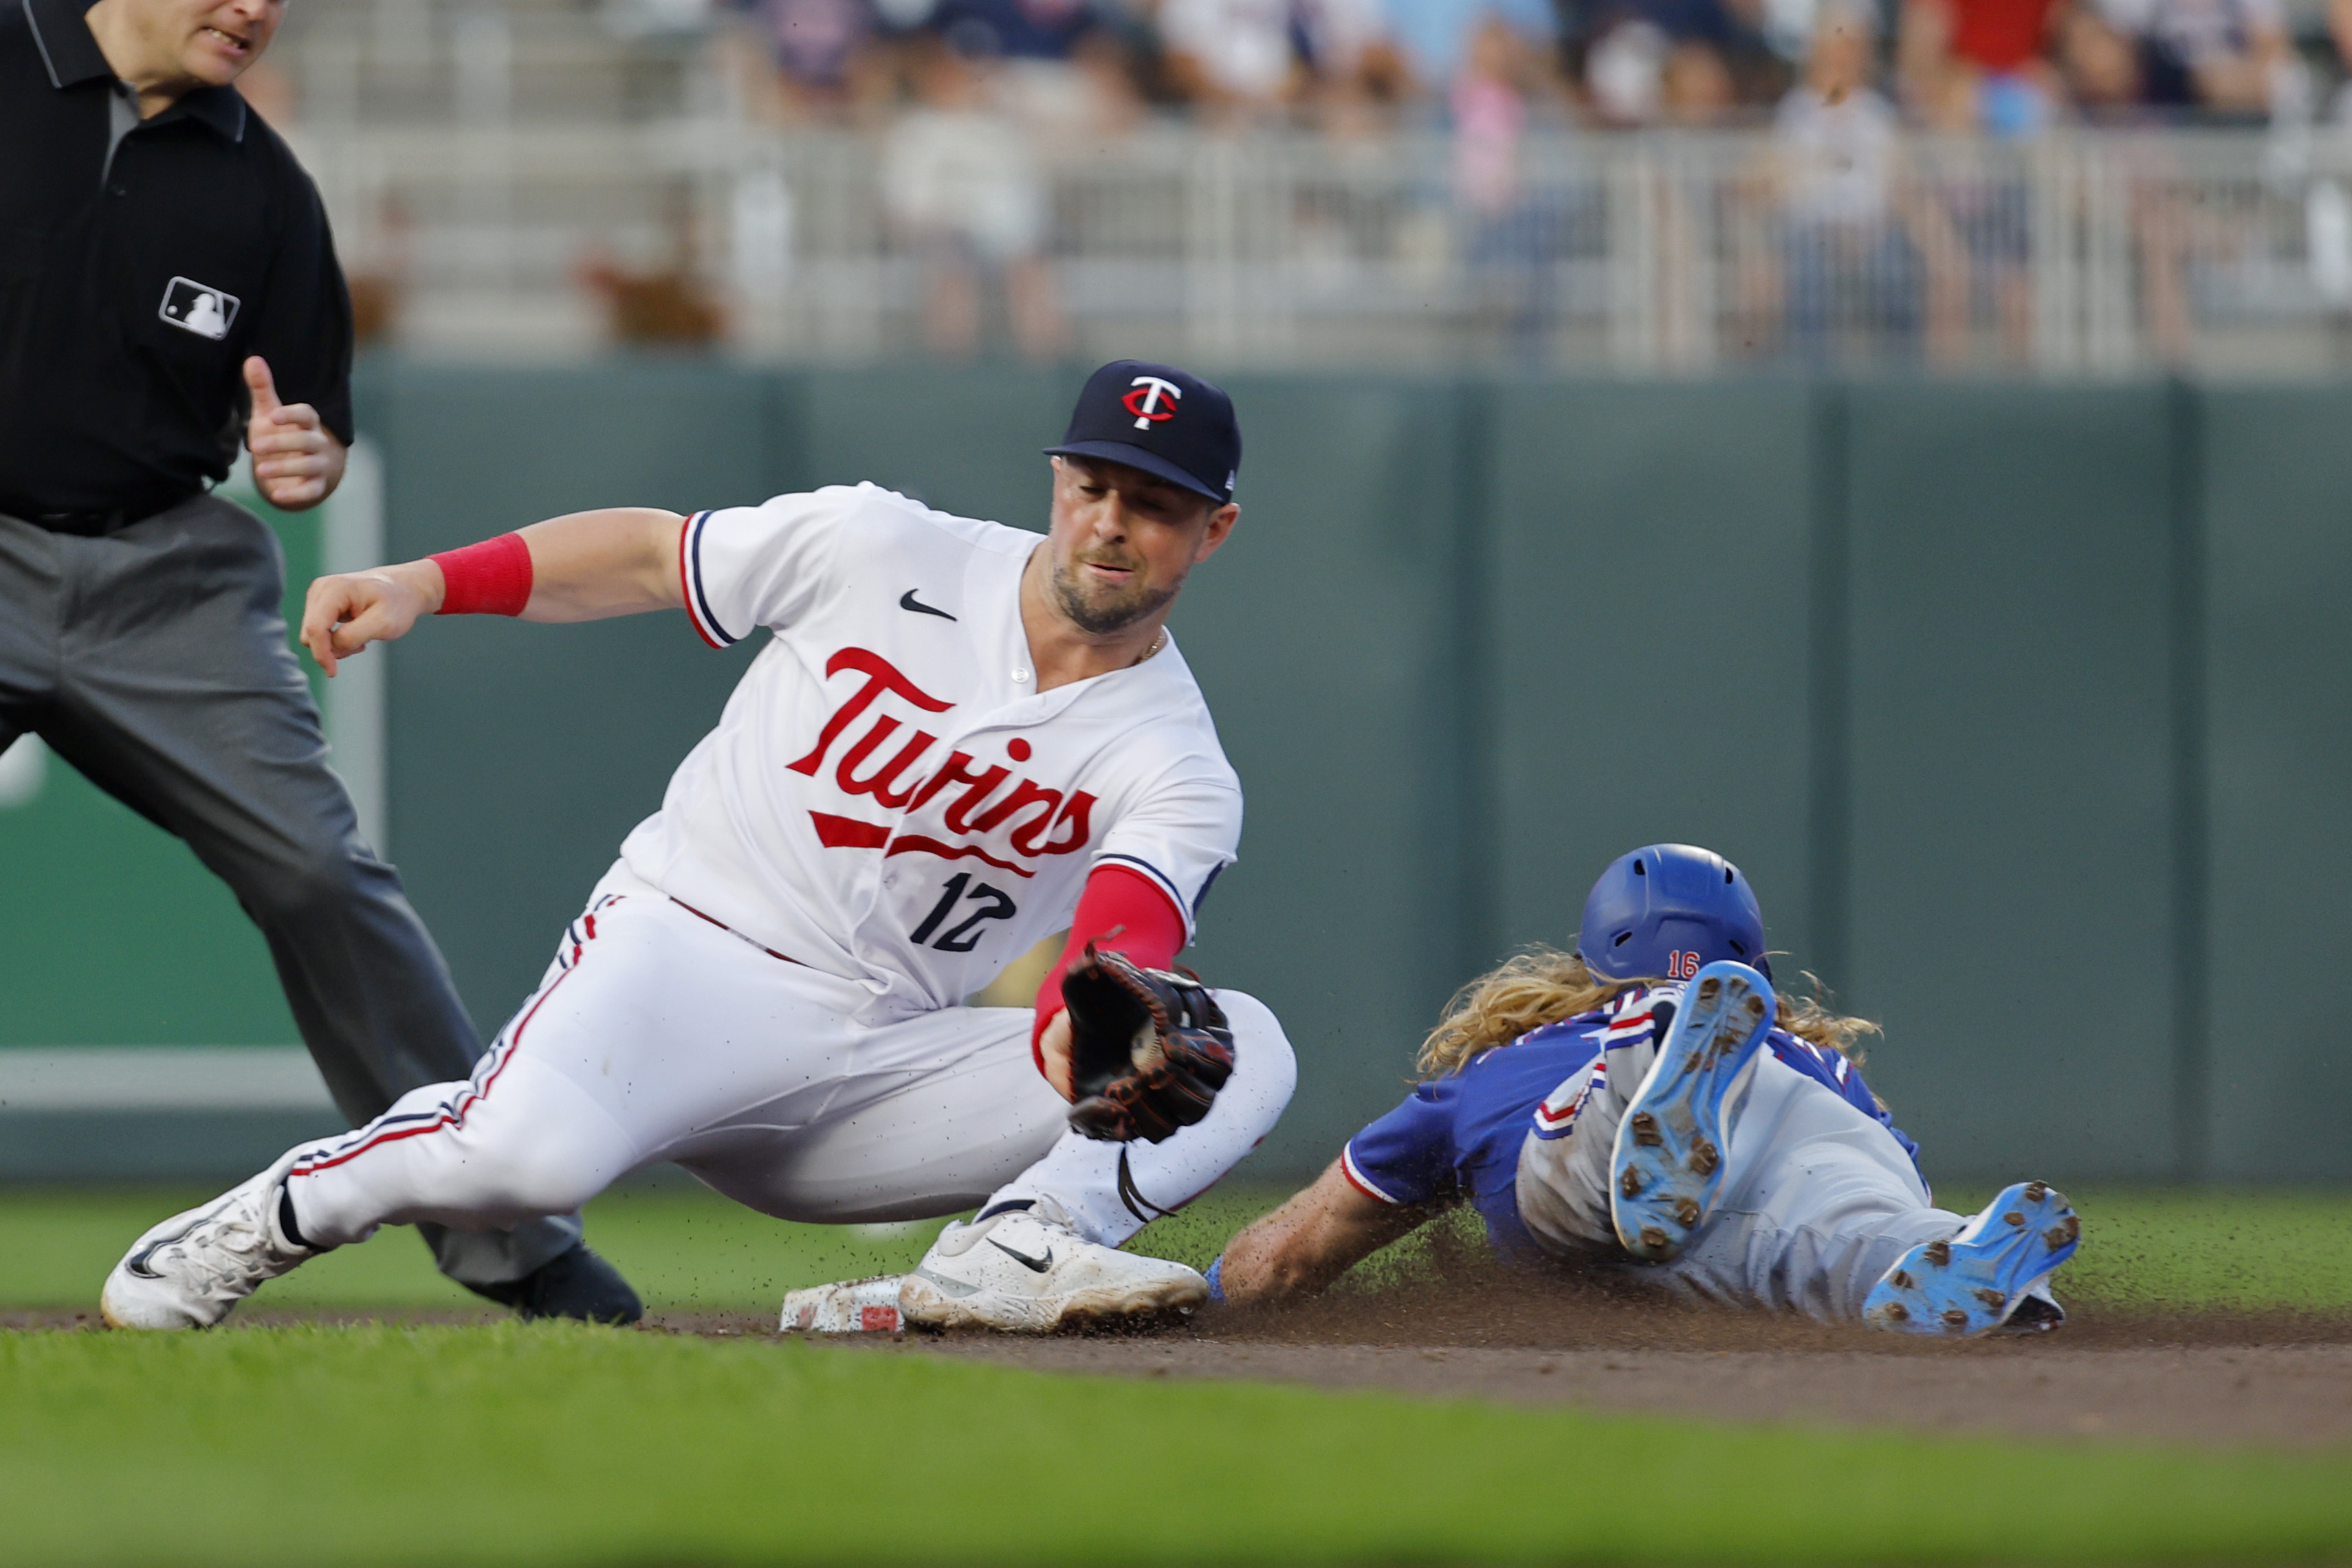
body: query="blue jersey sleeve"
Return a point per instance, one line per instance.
(1407, 1156)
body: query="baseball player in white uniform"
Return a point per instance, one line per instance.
(960, 740)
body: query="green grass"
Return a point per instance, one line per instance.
(688, 1250)
(685, 1249)
(524, 1445)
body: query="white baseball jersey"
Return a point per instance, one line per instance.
(887, 797)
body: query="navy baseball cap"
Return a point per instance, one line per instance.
(1169, 423)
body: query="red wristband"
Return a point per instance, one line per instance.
(492, 578)
(1151, 932)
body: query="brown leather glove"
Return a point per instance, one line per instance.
(1149, 1049)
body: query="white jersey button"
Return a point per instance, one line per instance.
(1019, 674)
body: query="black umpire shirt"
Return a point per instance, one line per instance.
(140, 263)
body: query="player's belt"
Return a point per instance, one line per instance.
(731, 931)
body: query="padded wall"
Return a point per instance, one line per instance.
(1963, 676)
(1651, 643)
(522, 754)
(2011, 832)
(2278, 501)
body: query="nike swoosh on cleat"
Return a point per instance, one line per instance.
(952, 1286)
(136, 1264)
(1024, 1259)
(907, 600)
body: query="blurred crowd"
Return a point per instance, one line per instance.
(2003, 68)
(1843, 229)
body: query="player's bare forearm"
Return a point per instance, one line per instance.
(1317, 1236)
(590, 566)
(586, 566)
(1054, 1056)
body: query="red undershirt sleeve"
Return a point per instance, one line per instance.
(1150, 933)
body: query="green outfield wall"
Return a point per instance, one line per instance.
(2027, 708)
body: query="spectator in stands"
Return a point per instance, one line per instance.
(2101, 69)
(1357, 77)
(1849, 259)
(801, 60)
(1233, 58)
(1516, 237)
(1643, 60)
(1696, 89)
(1253, 61)
(1434, 39)
(2225, 58)
(959, 178)
(2339, 32)
(1975, 233)
(1056, 66)
(1980, 64)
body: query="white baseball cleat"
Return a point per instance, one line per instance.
(1027, 1271)
(190, 1270)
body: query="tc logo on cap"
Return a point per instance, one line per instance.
(1145, 405)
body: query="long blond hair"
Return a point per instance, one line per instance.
(1544, 985)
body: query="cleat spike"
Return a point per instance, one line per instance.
(1984, 1280)
(1630, 1184)
(1708, 989)
(1686, 1210)
(1645, 1130)
(1654, 1239)
(1705, 1158)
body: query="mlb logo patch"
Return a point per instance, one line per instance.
(198, 308)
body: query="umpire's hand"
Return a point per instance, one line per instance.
(296, 461)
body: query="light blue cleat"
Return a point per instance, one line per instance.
(1974, 1283)
(1666, 1167)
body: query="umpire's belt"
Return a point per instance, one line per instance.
(96, 525)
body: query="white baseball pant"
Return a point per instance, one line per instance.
(659, 1035)
(1817, 1203)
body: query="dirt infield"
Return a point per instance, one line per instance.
(2143, 1372)
(2223, 1378)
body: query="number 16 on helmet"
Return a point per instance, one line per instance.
(1666, 909)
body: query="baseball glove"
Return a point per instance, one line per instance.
(1149, 1049)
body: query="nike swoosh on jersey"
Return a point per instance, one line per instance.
(907, 600)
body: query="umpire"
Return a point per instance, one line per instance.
(167, 283)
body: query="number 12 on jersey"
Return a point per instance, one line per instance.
(965, 935)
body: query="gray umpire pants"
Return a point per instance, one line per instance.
(154, 660)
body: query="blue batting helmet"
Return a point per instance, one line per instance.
(1667, 909)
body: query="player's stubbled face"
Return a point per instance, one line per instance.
(1123, 542)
